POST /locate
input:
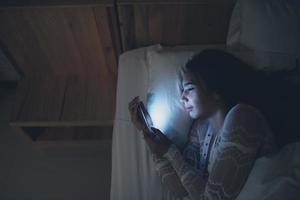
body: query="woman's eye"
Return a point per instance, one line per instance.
(189, 89)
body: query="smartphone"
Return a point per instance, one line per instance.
(145, 117)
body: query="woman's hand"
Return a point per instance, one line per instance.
(159, 144)
(132, 107)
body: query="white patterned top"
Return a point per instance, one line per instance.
(217, 167)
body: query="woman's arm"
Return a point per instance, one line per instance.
(193, 180)
(168, 175)
(233, 157)
(169, 178)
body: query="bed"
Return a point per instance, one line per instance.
(253, 33)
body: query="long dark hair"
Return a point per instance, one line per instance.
(237, 82)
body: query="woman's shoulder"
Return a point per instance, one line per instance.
(242, 107)
(242, 111)
(245, 118)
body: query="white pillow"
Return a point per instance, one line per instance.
(132, 80)
(163, 100)
(265, 25)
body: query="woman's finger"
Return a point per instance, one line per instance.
(160, 136)
(149, 140)
(133, 110)
(156, 131)
(132, 106)
(134, 101)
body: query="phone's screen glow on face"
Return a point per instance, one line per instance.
(159, 112)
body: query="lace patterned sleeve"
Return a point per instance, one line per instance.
(192, 179)
(187, 164)
(168, 175)
(232, 156)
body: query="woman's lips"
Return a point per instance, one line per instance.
(188, 109)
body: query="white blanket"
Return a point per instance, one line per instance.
(277, 177)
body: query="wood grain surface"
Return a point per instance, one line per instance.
(178, 2)
(67, 52)
(69, 63)
(174, 23)
(56, 3)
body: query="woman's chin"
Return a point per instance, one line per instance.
(197, 115)
(194, 115)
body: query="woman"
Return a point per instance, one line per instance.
(228, 135)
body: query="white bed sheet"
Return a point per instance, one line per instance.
(133, 173)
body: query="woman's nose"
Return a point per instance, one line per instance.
(183, 98)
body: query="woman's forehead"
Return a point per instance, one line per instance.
(188, 78)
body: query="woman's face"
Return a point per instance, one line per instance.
(196, 99)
